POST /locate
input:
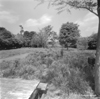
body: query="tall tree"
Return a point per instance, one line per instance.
(6, 38)
(52, 39)
(28, 34)
(44, 33)
(28, 37)
(68, 35)
(5, 34)
(36, 41)
(90, 5)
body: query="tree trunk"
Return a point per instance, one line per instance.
(97, 62)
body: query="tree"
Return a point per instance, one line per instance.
(6, 38)
(28, 34)
(68, 35)
(5, 34)
(92, 43)
(36, 41)
(28, 37)
(52, 39)
(90, 5)
(82, 43)
(44, 33)
(20, 39)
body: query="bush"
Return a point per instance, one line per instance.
(36, 41)
(82, 43)
(92, 43)
(67, 79)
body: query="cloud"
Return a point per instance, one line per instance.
(1, 5)
(6, 16)
(88, 24)
(45, 19)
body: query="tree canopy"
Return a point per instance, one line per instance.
(68, 35)
(44, 33)
(5, 34)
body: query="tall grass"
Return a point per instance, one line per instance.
(70, 73)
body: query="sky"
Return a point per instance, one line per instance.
(24, 12)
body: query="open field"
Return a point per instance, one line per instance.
(21, 51)
(14, 52)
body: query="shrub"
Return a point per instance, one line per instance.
(92, 43)
(66, 78)
(82, 43)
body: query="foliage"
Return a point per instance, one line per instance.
(44, 33)
(28, 34)
(7, 39)
(20, 39)
(82, 43)
(92, 41)
(52, 39)
(5, 34)
(69, 33)
(26, 39)
(10, 41)
(36, 41)
(90, 5)
(66, 5)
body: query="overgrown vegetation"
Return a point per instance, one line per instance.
(92, 43)
(68, 37)
(70, 73)
(67, 70)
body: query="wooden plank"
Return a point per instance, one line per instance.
(40, 90)
(43, 86)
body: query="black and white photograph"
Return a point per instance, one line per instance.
(49, 49)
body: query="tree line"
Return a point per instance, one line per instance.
(42, 38)
(69, 36)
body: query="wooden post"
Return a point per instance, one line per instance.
(39, 91)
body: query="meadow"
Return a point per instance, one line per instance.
(71, 73)
(14, 52)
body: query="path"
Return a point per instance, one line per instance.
(15, 57)
(16, 88)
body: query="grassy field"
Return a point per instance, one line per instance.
(14, 52)
(69, 73)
